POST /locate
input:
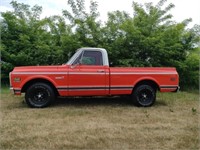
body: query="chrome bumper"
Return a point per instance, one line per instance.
(16, 91)
(12, 90)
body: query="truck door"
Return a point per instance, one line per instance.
(88, 75)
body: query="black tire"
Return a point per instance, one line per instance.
(144, 95)
(39, 95)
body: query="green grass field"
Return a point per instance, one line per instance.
(101, 123)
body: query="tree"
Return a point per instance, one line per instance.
(87, 29)
(148, 37)
(191, 70)
(21, 29)
(28, 40)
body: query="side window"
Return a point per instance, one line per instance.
(92, 58)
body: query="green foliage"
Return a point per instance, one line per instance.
(87, 28)
(194, 110)
(190, 70)
(148, 38)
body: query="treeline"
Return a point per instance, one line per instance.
(149, 37)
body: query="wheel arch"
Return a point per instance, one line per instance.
(148, 81)
(35, 80)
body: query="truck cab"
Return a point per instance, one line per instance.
(88, 73)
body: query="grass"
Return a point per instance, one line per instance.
(101, 123)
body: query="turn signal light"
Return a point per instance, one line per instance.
(17, 79)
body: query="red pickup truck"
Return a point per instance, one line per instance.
(87, 73)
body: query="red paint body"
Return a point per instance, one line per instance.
(88, 80)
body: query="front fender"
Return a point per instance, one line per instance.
(28, 79)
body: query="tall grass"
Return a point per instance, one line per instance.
(101, 123)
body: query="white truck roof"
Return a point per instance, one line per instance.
(80, 50)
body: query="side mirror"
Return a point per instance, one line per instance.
(111, 64)
(75, 65)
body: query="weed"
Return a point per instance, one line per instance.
(194, 110)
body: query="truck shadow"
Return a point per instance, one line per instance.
(92, 101)
(98, 101)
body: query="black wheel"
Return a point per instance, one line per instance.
(144, 95)
(39, 95)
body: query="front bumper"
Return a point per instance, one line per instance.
(15, 91)
(12, 90)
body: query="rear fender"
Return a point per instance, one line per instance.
(146, 78)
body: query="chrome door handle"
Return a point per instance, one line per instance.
(100, 71)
